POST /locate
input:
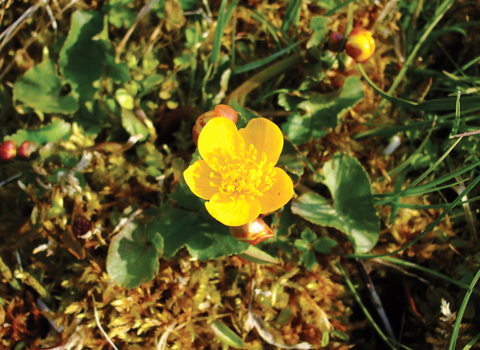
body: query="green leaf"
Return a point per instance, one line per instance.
(48, 133)
(324, 245)
(227, 336)
(124, 99)
(41, 89)
(118, 72)
(204, 237)
(300, 244)
(291, 159)
(298, 128)
(319, 25)
(244, 114)
(258, 256)
(151, 82)
(321, 110)
(133, 125)
(133, 254)
(82, 59)
(309, 259)
(352, 212)
(325, 108)
(308, 235)
(287, 221)
(185, 197)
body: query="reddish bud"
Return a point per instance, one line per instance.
(254, 232)
(360, 44)
(82, 225)
(8, 150)
(26, 149)
(335, 41)
(219, 111)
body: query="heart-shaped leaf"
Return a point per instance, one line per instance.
(352, 211)
(133, 254)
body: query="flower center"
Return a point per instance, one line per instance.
(245, 175)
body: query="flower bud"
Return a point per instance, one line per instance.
(82, 225)
(335, 41)
(360, 44)
(254, 232)
(8, 150)
(26, 148)
(219, 111)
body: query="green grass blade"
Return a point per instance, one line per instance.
(398, 187)
(412, 156)
(433, 206)
(447, 177)
(457, 115)
(472, 342)
(336, 8)
(430, 227)
(444, 6)
(259, 63)
(266, 74)
(424, 269)
(469, 64)
(417, 192)
(292, 15)
(364, 309)
(443, 104)
(219, 31)
(424, 175)
(272, 29)
(461, 311)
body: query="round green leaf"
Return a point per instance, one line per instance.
(41, 89)
(324, 245)
(133, 254)
(204, 237)
(48, 133)
(125, 100)
(352, 211)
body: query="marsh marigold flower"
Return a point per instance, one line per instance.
(237, 175)
(360, 44)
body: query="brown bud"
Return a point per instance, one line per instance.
(8, 150)
(254, 232)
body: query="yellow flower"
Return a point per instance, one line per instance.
(237, 175)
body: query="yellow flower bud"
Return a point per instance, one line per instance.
(254, 232)
(360, 44)
(219, 111)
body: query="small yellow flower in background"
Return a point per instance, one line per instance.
(360, 44)
(237, 175)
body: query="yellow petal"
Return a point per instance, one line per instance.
(220, 142)
(233, 212)
(197, 177)
(265, 136)
(279, 194)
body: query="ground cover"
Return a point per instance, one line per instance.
(357, 146)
